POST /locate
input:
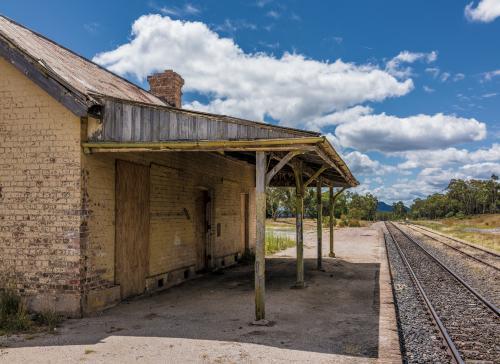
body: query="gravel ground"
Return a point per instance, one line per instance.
(420, 339)
(485, 279)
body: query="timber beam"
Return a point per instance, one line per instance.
(260, 237)
(331, 205)
(299, 222)
(315, 175)
(282, 162)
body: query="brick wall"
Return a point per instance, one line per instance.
(57, 205)
(39, 195)
(176, 181)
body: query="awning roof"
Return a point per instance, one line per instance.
(128, 118)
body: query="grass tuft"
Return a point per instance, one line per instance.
(13, 314)
(277, 242)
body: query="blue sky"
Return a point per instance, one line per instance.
(407, 91)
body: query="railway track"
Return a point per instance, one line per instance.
(479, 254)
(469, 324)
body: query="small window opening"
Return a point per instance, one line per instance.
(186, 274)
(161, 282)
(218, 229)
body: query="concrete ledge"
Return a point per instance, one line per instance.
(162, 281)
(66, 304)
(100, 299)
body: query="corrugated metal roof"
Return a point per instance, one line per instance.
(78, 72)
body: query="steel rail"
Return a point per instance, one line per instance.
(458, 241)
(454, 248)
(490, 305)
(452, 349)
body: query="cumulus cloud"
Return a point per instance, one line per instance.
(431, 180)
(360, 163)
(485, 11)
(387, 133)
(291, 88)
(343, 116)
(448, 157)
(394, 66)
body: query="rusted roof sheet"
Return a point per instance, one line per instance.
(77, 72)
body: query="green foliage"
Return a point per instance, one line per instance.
(13, 314)
(277, 242)
(49, 319)
(281, 202)
(462, 198)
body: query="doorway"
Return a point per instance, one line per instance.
(203, 229)
(132, 227)
(245, 230)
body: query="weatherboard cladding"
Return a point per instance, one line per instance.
(126, 122)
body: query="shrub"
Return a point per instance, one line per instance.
(354, 223)
(460, 215)
(450, 214)
(50, 319)
(13, 313)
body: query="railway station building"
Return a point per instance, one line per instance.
(108, 191)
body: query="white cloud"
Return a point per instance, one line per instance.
(387, 133)
(273, 14)
(360, 163)
(488, 95)
(485, 11)
(187, 9)
(488, 76)
(448, 157)
(394, 66)
(444, 76)
(458, 77)
(339, 117)
(431, 180)
(428, 89)
(233, 25)
(434, 71)
(291, 88)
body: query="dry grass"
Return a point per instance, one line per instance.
(458, 228)
(288, 223)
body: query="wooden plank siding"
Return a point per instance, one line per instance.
(128, 122)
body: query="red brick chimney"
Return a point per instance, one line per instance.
(167, 86)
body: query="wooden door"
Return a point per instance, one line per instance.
(132, 227)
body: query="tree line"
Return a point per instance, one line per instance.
(349, 207)
(461, 198)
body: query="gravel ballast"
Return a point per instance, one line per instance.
(420, 339)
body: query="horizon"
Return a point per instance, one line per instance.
(408, 106)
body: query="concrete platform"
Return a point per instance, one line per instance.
(345, 315)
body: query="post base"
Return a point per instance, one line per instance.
(262, 322)
(331, 255)
(299, 285)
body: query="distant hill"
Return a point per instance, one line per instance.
(382, 206)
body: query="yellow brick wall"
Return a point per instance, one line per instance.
(176, 180)
(39, 194)
(57, 205)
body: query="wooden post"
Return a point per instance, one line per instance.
(260, 236)
(299, 223)
(319, 226)
(332, 217)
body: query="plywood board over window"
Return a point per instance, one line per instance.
(132, 227)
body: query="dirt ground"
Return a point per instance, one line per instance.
(346, 314)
